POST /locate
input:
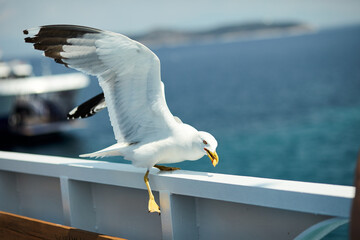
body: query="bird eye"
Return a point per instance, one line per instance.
(205, 142)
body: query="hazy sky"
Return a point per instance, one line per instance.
(130, 16)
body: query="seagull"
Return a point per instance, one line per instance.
(146, 132)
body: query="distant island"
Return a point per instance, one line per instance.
(164, 37)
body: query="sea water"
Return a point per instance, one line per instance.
(284, 108)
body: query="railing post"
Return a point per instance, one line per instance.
(65, 197)
(178, 216)
(166, 215)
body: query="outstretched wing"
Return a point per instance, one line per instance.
(128, 72)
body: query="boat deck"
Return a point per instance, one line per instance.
(14, 227)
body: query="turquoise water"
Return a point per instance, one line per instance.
(285, 108)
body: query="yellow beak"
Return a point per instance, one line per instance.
(213, 157)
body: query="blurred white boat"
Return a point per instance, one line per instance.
(34, 105)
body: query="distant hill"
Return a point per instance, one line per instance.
(164, 37)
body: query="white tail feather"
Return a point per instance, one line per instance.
(113, 150)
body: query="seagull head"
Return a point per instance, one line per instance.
(209, 144)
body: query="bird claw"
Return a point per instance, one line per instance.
(165, 168)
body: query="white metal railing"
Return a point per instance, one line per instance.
(111, 198)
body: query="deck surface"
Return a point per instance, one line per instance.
(14, 227)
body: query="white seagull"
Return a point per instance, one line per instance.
(146, 132)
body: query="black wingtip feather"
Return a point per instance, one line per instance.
(59, 60)
(29, 40)
(86, 109)
(51, 38)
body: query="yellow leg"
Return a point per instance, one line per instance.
(152, 206)
(165, 168)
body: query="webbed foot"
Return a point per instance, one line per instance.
(152, 206)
